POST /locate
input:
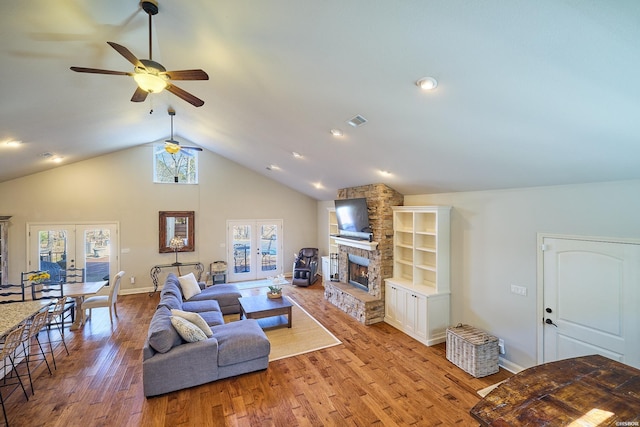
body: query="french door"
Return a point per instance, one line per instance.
(55, 247)
(254, 249)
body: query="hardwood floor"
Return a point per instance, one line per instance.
(378, 376)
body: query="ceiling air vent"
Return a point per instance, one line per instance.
(357, 121)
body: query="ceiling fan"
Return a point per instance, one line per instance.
(172, 146)
(151, 76)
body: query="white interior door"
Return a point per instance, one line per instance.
(591, 300)
(93, 247)
(254, 249)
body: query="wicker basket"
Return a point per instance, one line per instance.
(472, 350)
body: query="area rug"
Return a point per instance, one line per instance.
(305, 335)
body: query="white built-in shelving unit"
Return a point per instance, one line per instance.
(417, 297)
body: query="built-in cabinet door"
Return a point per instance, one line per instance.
(424, 317)
(411, 312)
(421, 319)
(394, 297)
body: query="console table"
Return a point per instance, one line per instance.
(589, 390)
(156, 269)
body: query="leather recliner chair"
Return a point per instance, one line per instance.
(305, 269)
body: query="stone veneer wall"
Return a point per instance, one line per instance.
(368, 307)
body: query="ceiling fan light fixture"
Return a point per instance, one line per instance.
(150, 82)
(427, 83)
(171, 148)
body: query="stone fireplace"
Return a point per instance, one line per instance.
(366, 302)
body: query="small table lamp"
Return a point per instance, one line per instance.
(176, 244)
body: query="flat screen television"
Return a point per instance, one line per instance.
(353, 218)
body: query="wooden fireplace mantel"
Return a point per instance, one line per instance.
(360, 244)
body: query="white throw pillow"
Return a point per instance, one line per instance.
(189, 286)
(194, 318)
(187, 330)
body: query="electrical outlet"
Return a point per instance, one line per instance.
(501, 346)
(133, 280)
(519, 290)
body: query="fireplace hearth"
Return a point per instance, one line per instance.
(358, 268)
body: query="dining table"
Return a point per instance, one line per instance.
(14, 313)
(582, 391)
(78, 291)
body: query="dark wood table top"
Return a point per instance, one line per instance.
(589, 390)
(256, 304)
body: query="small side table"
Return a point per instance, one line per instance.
(218, 272)
(156, 269)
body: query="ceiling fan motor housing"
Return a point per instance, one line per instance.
(150, 6)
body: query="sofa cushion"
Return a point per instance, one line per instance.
(171, 301)
(187, 330)
(189, 286)
(162, 335)
(225, 294)
(213, 318)
(240, 341)
(171, 286)
(200, 306)
(194, 318)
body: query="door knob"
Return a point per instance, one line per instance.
(548, 310)
(550, 322)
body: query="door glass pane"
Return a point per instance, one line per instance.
(241, 248)
(52, 250)
(97, 253)
(269, 246)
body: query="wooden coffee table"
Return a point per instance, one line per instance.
(261, 306)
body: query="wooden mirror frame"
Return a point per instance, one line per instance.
(165, 217)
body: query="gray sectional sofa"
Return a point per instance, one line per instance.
(170, 363)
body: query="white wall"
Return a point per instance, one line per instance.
(494, 245)
(119, 187)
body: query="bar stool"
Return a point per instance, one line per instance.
(9, 346)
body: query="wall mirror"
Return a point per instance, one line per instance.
(179, 224)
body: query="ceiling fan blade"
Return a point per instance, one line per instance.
(191, 99)
(139, 95)
(187, 75)
(98, 71)
(127, 54)
(173, 142)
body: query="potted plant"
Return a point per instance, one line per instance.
(274, 292)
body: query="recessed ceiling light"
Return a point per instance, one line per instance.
(318, 185)
(296, 155)
(384, 172)
(273, 168)
(336, 132)
(427, 83)
(57, 159)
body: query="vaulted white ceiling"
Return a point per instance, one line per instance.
(530, 93)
